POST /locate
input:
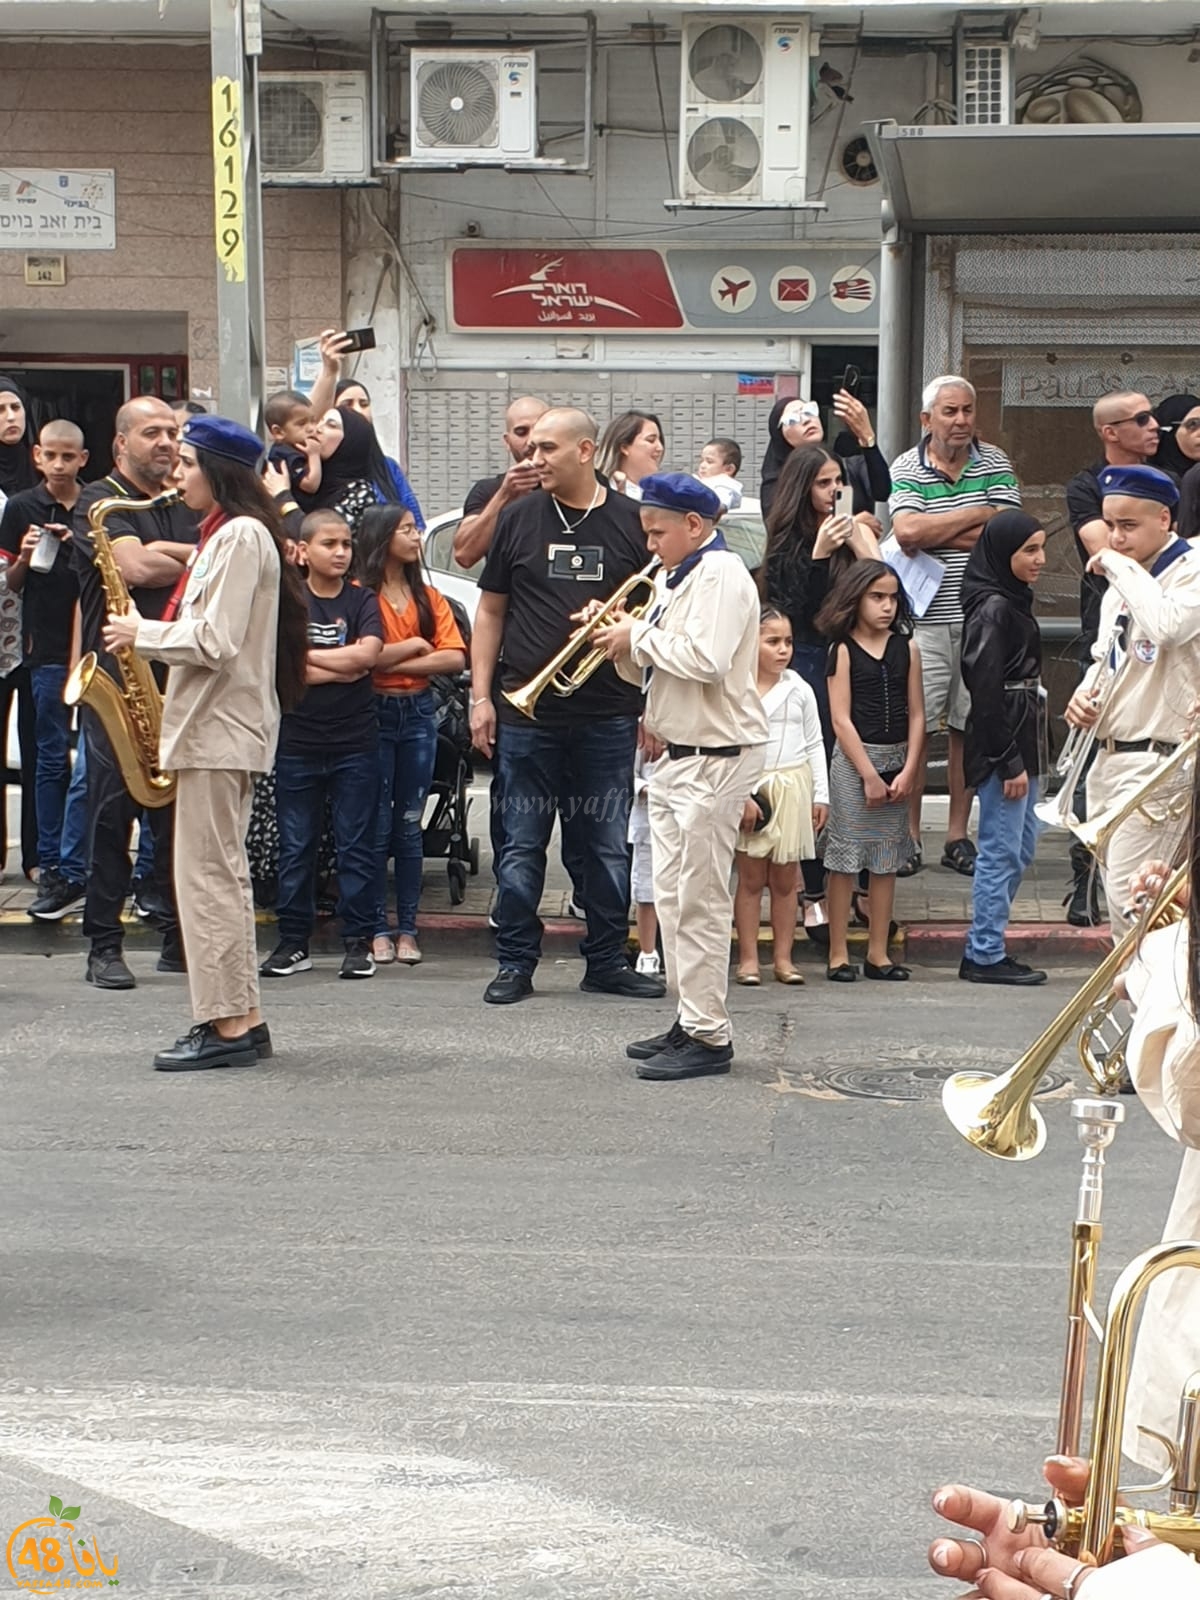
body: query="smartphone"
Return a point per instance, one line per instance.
(851, 379)
(358, 339)
(843, 504)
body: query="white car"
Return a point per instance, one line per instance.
(743, 530)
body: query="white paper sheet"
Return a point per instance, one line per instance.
(921, 574)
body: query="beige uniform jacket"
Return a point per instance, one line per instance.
(221, 707)
(703, 648)
(1161, 678)
(1164, 1062)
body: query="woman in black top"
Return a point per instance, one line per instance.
(1001, 666)
(795, 424)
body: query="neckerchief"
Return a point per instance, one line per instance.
(208, 527)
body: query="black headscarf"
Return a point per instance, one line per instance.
(16, 460)
(776, 453)
(989, 571)
(1169, 412)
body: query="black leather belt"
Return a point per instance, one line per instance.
(677, 752)
(1128, 747)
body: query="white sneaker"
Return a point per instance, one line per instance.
(648, 962)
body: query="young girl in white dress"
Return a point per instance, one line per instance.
(786, 812)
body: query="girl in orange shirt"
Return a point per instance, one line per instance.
(420, 640)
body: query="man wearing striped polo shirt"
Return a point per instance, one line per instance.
(942, 494)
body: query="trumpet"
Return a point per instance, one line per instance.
(562, 678)
(1097, 832)
(1076, 752)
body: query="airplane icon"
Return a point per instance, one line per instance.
(731, 288)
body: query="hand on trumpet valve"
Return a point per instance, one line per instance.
(1082, 709)
(614, 637)
(121, 632)
(592, 609)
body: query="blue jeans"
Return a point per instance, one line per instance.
(301, 785)
(407, 749)
(73, 860)
(52, 725)
(587, 772)
(1008, 833)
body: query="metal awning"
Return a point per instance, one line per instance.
(1093, 178)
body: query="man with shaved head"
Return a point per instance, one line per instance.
(557, 547)
(151, 549)
(1128, 436)
(488, 498)
(48, 618)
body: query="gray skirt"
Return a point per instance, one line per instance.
(858, 837)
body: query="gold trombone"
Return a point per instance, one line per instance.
(997, 1116)
(562, 678)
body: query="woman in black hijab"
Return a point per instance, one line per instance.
(1001, 666)
(16, 440)
(796, 423)
(1169, 413)
(353, 474)
(1179, 452)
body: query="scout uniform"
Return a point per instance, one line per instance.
(699, 649)
(1146, 715)
(219, 729)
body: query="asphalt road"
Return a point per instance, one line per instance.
(442, 1302)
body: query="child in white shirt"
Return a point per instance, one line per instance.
(786, 812)
(720, 462)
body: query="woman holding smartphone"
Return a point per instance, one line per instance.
(796, 424)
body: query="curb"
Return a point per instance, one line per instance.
(929, 943)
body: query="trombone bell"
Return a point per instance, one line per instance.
(991, 1117)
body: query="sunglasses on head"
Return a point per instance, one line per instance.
(810, 409)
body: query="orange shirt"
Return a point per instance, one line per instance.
(401, 625)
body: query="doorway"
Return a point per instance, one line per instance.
(89, 396)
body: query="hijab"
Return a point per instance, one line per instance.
(989, 570)
(776, 453)
(1169, 412)
(16, 460)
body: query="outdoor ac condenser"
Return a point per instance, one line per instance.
(476, 106)
(313, 127)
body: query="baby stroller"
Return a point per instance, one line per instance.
(445, 833)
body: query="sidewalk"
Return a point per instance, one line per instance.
(932, 908)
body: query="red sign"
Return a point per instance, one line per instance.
(550, 289)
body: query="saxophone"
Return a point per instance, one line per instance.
(130, 714)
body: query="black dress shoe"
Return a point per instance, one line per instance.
(507, 987)
(686, 1057)
(647, 1049)
(261, 1035)
(624, 980)
(172, 958)
(204, 1047)
(106, 969)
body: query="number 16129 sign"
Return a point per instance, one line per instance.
(229, 191)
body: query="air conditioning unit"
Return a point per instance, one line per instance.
(985, 79)
(313, 127)
(744, 119)
(475, 106)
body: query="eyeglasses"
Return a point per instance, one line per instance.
(804, 413)
(1140, 417)
(1190, 425)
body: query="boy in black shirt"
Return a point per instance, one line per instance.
(329, 745)
(48, 621)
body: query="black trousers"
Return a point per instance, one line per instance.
(111, 814)
(18, 686)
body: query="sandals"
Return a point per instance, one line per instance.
(889, 974)
(959, 855)
(748, 980)
(912, 866)
(843, 974)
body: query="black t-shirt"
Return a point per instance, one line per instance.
(174, 523)
(480, 493)
(1085, 504)
(49, 598)
(336, 718)
(549, 571)
(290, 460)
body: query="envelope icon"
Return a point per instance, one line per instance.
(794, 289)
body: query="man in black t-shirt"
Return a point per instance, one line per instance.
(48, 620)
(329, 748)
(490, 496)
(151, 549)
(556, 548)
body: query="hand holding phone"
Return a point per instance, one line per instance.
(356, 339)
(843, 502)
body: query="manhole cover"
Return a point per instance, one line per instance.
(902, 1082)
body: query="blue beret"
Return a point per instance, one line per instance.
(679, 491)
(221, 437)
(1143, 483)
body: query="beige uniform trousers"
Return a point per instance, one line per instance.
(1113, 779)
(212, 890)
(695, 812)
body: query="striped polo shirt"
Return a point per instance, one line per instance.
(917, 485)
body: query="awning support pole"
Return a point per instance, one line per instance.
(895, 423)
